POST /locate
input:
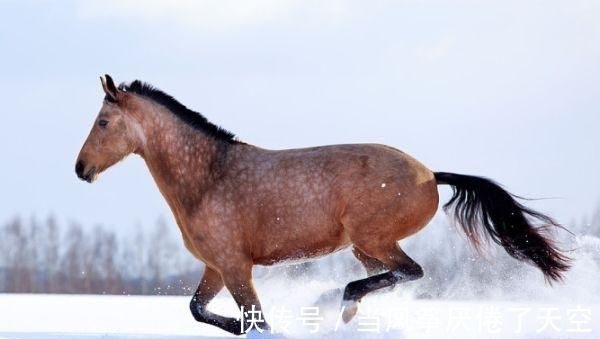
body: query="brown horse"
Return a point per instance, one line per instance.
(239, 205)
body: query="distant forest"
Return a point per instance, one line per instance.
(44, 257)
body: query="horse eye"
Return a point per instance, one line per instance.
(102, 123)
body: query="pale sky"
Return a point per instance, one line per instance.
(504, 89)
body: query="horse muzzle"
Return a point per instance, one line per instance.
(84, 175)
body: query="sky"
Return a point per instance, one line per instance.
(503, 89)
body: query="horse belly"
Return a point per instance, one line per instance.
(299, 242)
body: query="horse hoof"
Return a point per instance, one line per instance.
(350, 308)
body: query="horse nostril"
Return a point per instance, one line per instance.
(79, 168)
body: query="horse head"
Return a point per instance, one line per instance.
(114, 135)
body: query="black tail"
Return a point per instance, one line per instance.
(481, 202)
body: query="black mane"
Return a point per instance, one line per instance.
(194, 119)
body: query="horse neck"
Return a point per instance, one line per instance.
(182, 160)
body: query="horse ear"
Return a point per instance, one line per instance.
(109, 87)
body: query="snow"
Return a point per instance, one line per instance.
(88, 316)
(389, 315)
(460, 297)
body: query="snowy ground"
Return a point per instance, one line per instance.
(465, 299)
(385, 316)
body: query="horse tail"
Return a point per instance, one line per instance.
(482, 206)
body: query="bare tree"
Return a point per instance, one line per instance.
(73, 261)
(50, 258)
(19, 269)
(104, 262)
(45, 257)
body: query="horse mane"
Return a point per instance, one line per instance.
(192, 118)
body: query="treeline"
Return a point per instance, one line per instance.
(44, 257)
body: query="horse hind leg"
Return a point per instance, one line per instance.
(371, 265)
(401, 269)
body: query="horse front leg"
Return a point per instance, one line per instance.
(239, 283)
(210, 285)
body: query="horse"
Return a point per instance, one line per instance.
(239, 205)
